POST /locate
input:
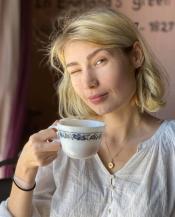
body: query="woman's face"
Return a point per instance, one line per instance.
(103, 78)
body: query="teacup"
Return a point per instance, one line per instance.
(80, 139)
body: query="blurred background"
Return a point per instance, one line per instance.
(28, 100)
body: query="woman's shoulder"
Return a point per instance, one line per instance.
(163, 137)
(169, 128)
(170, 123)
(166, 134)
(166, 128)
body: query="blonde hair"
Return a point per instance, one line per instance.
(110, 29)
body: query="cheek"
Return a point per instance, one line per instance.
(76, 84)
(123, 80)
(128, 84)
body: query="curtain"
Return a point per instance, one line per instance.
(19, 102)
(9, 59)
(14, 74)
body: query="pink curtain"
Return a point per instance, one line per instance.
(9, 67)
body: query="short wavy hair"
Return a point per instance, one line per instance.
(110, 29)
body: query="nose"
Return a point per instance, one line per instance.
(90, 79)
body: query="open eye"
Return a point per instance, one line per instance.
(100, 61)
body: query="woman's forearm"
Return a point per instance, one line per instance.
(20, 202)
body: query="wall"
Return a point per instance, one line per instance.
(156, 20)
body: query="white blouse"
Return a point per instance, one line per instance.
(144, 187)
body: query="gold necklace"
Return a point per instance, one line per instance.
(111, 164)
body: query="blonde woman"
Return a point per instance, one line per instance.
(108, 73)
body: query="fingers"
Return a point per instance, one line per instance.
(44, 159)
(39, 151)
(46, 146)
(44, 135)
(45, 140)
(48, 134)
(54, 125)
(49, 159)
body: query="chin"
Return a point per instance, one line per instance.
(102, 109)
(102, 112)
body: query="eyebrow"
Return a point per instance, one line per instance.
(88, 57)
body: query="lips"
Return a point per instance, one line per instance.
(97, 98)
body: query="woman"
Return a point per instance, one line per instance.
(110, 75)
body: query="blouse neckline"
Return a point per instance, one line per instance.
(140, 147)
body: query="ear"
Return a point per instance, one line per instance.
(137, 55)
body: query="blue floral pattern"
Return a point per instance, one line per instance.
(80, 136)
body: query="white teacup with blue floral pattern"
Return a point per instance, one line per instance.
(80, 139)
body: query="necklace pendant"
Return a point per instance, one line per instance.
(111, 165)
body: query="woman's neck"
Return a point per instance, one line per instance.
(122, 126)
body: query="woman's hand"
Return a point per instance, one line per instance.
(40, 150)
